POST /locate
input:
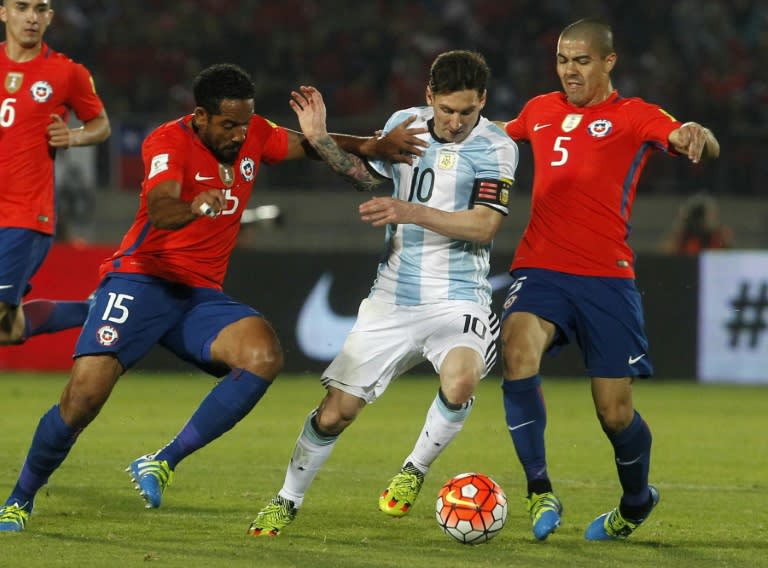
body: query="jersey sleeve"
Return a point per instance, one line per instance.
(652, 123)
(163, 160)
(274, 139)
(495, 176)
(82, 94)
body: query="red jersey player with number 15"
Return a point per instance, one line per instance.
(164, 284)
(39, 89)
(574, 271)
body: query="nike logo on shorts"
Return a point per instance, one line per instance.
(633, 360)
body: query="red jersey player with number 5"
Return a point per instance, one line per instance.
(39, 89)
(574, 271)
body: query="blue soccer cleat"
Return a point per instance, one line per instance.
(613, 525)
(13, 517)
(151, 477)
(545, 510)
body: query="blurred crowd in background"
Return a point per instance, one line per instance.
(700, 59)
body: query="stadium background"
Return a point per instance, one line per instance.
(698, 59)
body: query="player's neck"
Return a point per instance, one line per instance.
(20, 54)
(602, 96)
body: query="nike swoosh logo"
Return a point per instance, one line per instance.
(630, 462)
(6, 286)
(537, 126)
(512, 428)
(454, 500)
(198, 177)
(320, 332)
(633, 360)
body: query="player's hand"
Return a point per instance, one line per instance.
(381, 211)
(309, 107)
(59, 136)
(691, 139)
(209, 203)
(400, 144)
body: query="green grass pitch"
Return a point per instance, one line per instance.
(710, 462)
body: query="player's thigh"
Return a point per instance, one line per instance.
(22, 252)
(446, 327)
(611, 328)
(379, 348)
(128, 316)
(536, 315)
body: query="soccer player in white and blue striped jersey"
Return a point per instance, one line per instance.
(431, 298)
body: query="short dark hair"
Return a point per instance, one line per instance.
(222, 81)
(459, 70)
(599, 34)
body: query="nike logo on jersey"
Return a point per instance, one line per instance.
(198, 177)
(320, 332)
(6, 286)
(537, 126)
(633, 360)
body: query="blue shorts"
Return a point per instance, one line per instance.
(603, 315)
(130, 313)
(22, 251)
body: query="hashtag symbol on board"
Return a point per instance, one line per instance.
(750, 314)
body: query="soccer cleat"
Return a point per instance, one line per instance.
(151, 477)
(400, 495)
(273, 518)
(545, 510)
(613, 525)
(13, 517)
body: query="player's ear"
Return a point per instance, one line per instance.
(610, 62)
(200, 117)
(428, 96)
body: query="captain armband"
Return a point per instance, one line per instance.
(493, 193)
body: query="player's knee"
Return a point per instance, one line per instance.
(80, 406)
(518, 360)
(263, 360)
(614, 418)
(11, 325)
(460, 388)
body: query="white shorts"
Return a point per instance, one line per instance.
(387, 340)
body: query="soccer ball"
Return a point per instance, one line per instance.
(471, 507)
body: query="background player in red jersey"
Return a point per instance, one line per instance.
(40, 88)
(574, 271)
(163, 285)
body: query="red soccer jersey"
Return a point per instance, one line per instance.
(587, 164)
(51, 83)
(198, 253)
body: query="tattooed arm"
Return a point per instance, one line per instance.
(310, 108)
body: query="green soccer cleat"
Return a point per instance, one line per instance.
(613, 525)
(400, 495)
(273, 518)
(545, 510)
(151, 477)
(13, 517)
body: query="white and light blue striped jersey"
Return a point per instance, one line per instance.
(420, 266)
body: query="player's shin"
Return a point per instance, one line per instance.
(444, 421)
(526, 417)
(310, 453)
(227, 403)
(50, 445)
(632, 450)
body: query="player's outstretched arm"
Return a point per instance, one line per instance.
(695, 141)
(310, 109)
(478, 225)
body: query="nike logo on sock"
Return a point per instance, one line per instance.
(512, 428)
